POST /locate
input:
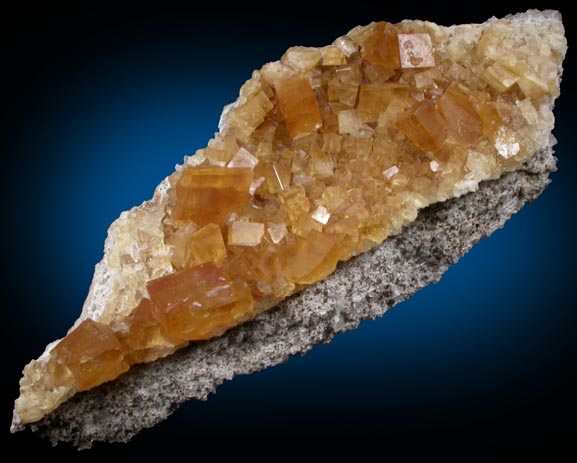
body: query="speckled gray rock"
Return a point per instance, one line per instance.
(363, 288)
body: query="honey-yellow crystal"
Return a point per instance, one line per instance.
(326, 153)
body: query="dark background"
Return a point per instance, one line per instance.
(98, 106)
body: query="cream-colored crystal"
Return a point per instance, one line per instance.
(277, 232)
(416, 51)
(424, 79)
(302, 58)
(499, 77)
(391, 172)
(321, 215)
(349, 122)
(245, 233)
(243, 158)
(333, 56)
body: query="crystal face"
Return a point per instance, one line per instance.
(209, 195)
(326, 154)
(92, 354)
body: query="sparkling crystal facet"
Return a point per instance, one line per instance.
(326, 154)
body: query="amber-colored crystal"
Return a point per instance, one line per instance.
(424, 126)
(207, 245)
(463, 122)
(211, 194)
(325, 154)
(296, 201)
(382, 46)
(375, 98)
(245, 233)
(147, 327)
(298, 105)
(92, 353)
(251, 114)
(311, 258)
(276, 175)
(200, 302)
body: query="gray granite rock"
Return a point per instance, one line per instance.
(363, 288)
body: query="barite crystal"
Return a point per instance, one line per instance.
(325, 154)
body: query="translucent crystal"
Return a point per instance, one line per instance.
(375, 98)
(147, 327)
(200, 302)
(252, 113)
(210, 194)
(325, 154)
(303, 58)
(499, 77)
(321, 215)
(207, 245)
(298, 105)
(92, 353)
(381, 47)
(243, 158)
(245, 233)
(463, 122)
(424, 126)
(310, 258)
(277, 232)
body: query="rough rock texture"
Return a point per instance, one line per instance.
(368, 167)
(363, 288)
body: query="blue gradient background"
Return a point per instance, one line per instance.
(99, 109)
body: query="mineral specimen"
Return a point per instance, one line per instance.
(326, 153)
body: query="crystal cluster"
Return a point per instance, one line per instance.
(326, 153)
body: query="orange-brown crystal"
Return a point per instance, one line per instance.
(147, 327)
(424, 126)
(207, 245)
(200, 302)
(92, 353)
(463, 122)
(210, 194)
(382, 46)
(325, 155)
(311, 258)
(298, 105)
